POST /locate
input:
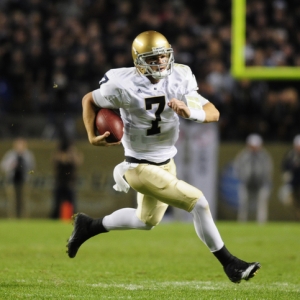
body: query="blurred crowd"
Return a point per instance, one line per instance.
(273, 38)
(53, 52)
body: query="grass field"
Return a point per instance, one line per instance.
(168, 262)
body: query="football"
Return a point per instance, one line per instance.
(109, 120)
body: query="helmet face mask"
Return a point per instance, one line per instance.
(152, 44)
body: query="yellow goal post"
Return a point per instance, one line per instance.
(239, 70)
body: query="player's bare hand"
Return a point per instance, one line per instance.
(180, 108)
(100, 140)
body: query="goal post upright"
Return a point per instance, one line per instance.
(239, 70)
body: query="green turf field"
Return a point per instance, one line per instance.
(168, 262)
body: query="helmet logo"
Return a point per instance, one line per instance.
(158, 50)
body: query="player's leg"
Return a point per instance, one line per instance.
(155, 181)
(149, 213)
(86, 227)
(160, 184)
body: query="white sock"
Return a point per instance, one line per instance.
(205, 226)
(124, 219)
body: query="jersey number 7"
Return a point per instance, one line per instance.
(160, 100)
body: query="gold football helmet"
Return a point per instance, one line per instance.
(152, 43)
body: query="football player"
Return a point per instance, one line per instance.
(151, 96)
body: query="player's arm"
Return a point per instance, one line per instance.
(89, 110)
(207, 113)
(211, 113)
(191, 105)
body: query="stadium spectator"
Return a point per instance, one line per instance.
(66, 161)
(254, 169)
(17, 164)
(291, 175)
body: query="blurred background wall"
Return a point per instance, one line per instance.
(94, 187)
(95, 192)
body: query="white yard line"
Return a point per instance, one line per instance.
(196, 285)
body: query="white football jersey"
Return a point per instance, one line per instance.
(151, 127)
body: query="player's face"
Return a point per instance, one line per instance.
(159, 62)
